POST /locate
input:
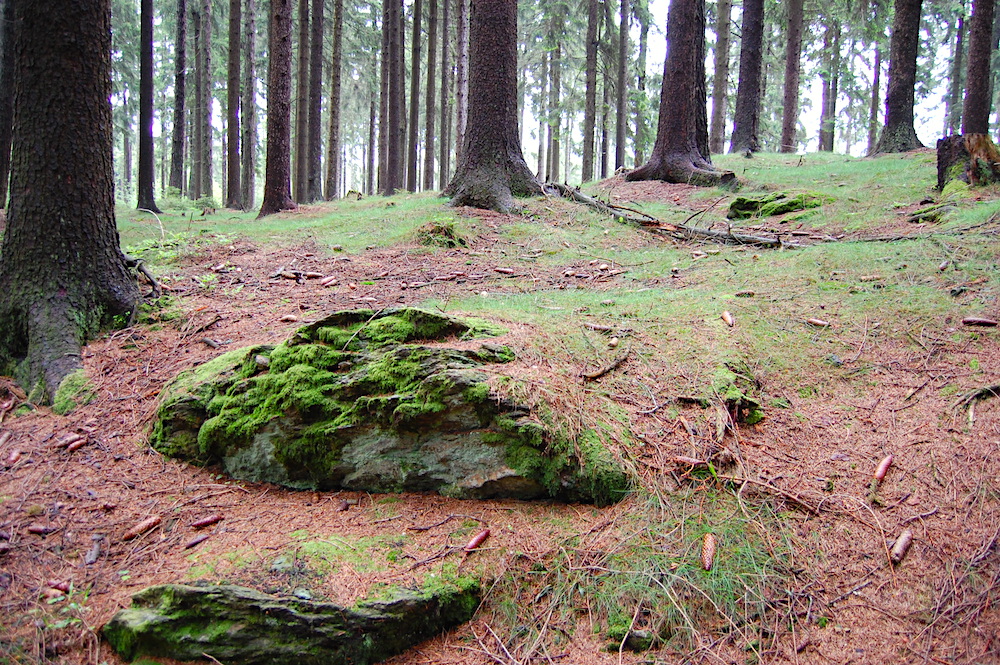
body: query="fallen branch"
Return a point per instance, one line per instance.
(679, 231)
(591, 376)
(966, 400)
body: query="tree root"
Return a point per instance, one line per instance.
(140, 266)
(679, 231)
(966, 400)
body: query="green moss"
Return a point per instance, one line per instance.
(75, 390)
(777, 203)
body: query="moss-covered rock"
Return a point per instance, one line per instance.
(75, 390)
(241, 626)
(776, 203)
(356, 401)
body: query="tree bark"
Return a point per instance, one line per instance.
(720, 84)
(430, 92)
(390, 177)
(641, 138)
(746, 116)
(681, 150)
(301, 152)
(590, 104)
(180, 98)
(446, 109)
(462, 78)
(873, 124)
(314, 161)
(195, 139)
(411, 158)
(491, 169)
(976, 110)
(555, 113)
(543, 116)
(62, 274)
(206, 112)
(277, 169)
(898, 135)
(793, 68)
(621, 88)
(333, 139)
(248, 134)
(146, 199)
(953, 102)
(8, 35)
(828, 104)
(234, 198)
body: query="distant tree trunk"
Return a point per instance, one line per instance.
(953, 102)
(793, 67)
(681, 150)
(898, 135)
(277, 170)
(590, 105)
(873, 124)
(146, 199)
(63, 276)
(543, 115)
(446, 109)
(371, 149)
(207, 96)
(8, 35)
(390, 176)
(180, 97)
(411, 158)
(720, 84)
(314, 161)
(400, 139)
(248, 134)
(491, 169)
(195, 141)
(828, 110)
(555, 114)
(621, 87)
(333, 141)
(641, 131)
(430, 99)
(301, 152)
(605, 133)
(383, 98)
(127, 152)
(462, 78)
(234, 198)
(746, 116)
(976, 110)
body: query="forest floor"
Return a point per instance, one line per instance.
(802, 573)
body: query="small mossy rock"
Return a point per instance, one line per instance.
(355, 402)
(777, 203)
(242, 626)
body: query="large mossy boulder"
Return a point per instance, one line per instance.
(377, 402)
(776, 203)
(241, 626)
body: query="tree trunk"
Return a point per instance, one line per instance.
(411, 158)
(793, 67)
(873, 108)
(491, 169)
(314, 161)
(195, 141)
(555, 114)
(234, 198)
(430, 99)
(277, 169)
(446, 110)
(953, 102)
(62, 274)
(400, 137)
(976, 110)
(641, 130)
(391, 176)
(146, 199)
(462, 78)
(681, 150)
(621, 88)
(127, 154)
(605, 133)
(898, 134)
(8, 36)
(543, 116)
(207, 96)
(180, 74)
(301, 152)
(371, 149)
(746, 116)
(720, 84)
(333, 140)
(590, 105)
(383, 99)
(248, 135)
(828, 104)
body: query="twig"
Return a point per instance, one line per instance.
(920, 516)
(966, 400)
(797, 500)
(591, 376)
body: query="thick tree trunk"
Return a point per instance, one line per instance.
(207, 79)
(8, 36)
(746, 116)
(793, 68)
(873, 124)
(234, 198)
(590, 104)
(62, 274)
(277, 169)
(621, 87)
(898, 134)
(391, 179)
(446, 109)
(413, 125)
(720, 84)
(641, 138)
(333, 139)
(430, 92)
(371, 150)
(383, 99)
(976, 110)
(681, 150)
(180, 99)
(301, 152)
(543, 115)
(462, 78)
(605, 133)
(314, 161)
(248, 134)
(491, 169)
(127, 154)
(146, 200)
(953, 102)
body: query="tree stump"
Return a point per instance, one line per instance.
(971, 158)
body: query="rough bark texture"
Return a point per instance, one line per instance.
(828, 104)
(462, 78)
(277, 170)
(746, 116)
(390, 176)
(413, 125)
(721, 82)
(681, 150)
(873, 124)
(590, 104)
(953, 103)
(333, 139)
(7, 37)
(314, 162)
(898, 134)
(234, 193)
(491, 169)
(195, 140)
(248, 133)
(641, 138)
(621, 88)
(180, 97)
(555, 112)
(205, 118)
(430, 99)
(445, 121)
(976, 110)
(62, 274)
(146, 176)
(971, 158)
(301, 154)
(793, 68)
